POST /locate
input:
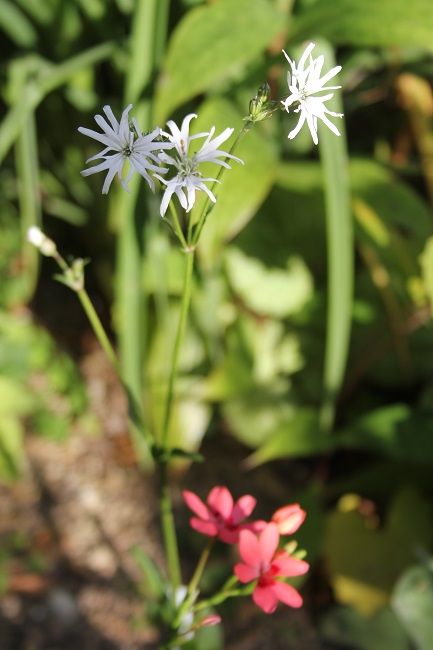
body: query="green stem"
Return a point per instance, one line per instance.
(195, 581)
(208, 205)
(29, 199)
(186, 298)
(98, 328)
(169, 529)
(177, 227)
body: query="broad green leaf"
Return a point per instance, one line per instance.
(340, 247)
(412, 601)
(346, 627)
(397, 431)
(367, 22)
(269, 291)
(243, 187)
(212, 44)
(364, 559)
(14, 400)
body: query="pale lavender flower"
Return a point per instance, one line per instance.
(122, 144)
(306, 92)
(188, 179)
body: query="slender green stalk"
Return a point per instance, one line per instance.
(28, 192)
(186, 298)
(195, 581)
(177, 227)
(98, 328)
(169, 529)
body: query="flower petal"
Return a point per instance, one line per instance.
(245, 573)
(195, 504)
(265, 598)
(287, 594)
(221, 501)
(204, 527)
(289, 566)
(289, 518)
(243, 508)
(268, 542)
(249, 548)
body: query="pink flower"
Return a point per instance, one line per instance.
(221, 517)
(289, 518)
(264, 563)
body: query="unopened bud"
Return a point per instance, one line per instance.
(43, 243)
(260, 108)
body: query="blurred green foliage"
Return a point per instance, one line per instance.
(256, 341)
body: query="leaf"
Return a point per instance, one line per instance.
(396, 430)
(211, 44)
(153, 583)
(365, 560)
(412, 601)
(367, 22)
(273, 292)
(340, 247)
(243, 188)
(345, 627)
(297, 436)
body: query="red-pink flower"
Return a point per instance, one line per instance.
(289, 518)
(264, 563)
(221, 517)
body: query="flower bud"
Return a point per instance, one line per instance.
(45, 245)
(289, 518)
(260, 108)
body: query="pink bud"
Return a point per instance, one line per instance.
(208, 621)
(289, 518)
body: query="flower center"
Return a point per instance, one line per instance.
(187, 167)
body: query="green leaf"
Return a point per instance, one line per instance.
(346, 627)
(243, 187)
(273, 292)
(297, 436)
(367, 22)
(397, 431)
(212, 44)
(153, 583)
(340, 245)
(364, 559)
(412, 601)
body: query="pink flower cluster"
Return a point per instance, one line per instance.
(263, 561)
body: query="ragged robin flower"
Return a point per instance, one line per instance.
(188, 178)
(308, 93)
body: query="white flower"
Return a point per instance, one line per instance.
(306, 90)
(45, 245)
(123, 144)
(188, 178)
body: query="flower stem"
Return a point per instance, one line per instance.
(168, 528)
(177, 227)
(186, 298)
(98, 328)
(195, 581)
